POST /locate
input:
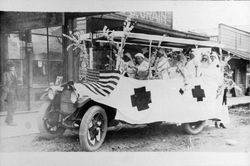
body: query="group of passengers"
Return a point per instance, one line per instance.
(167, 64)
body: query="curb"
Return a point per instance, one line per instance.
(18, 112)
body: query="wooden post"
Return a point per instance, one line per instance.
(220, 53)
(2, 59)
(149, 58)
(65, 52)
(28, 52)
(70, 54)
(91, 58)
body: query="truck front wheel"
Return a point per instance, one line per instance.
(93, 128)
(48, 122)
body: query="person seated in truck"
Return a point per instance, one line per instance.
(128, 65)
(142, 67)
(205, 64)
(193, 66)
(177, 66)
(162, 65)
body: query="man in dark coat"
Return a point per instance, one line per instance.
(9, 97)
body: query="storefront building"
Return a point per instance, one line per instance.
(237, 44)
(34, 42)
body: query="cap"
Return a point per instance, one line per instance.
(127, 54)
(162, 51)
(10, 64)
(139, 55)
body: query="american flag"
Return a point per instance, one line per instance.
(101, 82)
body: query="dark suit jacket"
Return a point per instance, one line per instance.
(9, 82)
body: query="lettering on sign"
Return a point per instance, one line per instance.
(162, 17)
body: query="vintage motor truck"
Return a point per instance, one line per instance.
(91, 106)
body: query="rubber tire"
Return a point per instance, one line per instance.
(84, 126)
(189, 130)
(44, 133)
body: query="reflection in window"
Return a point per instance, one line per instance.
(39, 47)
(21, 70)
(42, 31)
(55, 48)
(55, 31)
(39, 70)
(16, 47)
(55, 69)
(47, 50)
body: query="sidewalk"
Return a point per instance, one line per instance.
(26, 124)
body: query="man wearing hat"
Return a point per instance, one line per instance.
(8, 97)
(141, 67)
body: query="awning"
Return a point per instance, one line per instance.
(152, 27)
(240, 54)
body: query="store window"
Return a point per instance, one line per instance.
(47, 61)
(16, 53)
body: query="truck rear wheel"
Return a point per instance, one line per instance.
(194, 127)
(93, 128)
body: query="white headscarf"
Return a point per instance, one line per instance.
(139, 55)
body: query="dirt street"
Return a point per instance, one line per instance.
(235, 138)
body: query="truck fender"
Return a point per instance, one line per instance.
(82, 101)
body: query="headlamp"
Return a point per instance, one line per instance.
(73, 97)
(51, 94)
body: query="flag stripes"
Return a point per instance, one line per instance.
(101, 82)
(106, 86)
(86, 85)
(107, 81)
(97, 85)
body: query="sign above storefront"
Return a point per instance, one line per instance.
(161, 17)
(29, 20)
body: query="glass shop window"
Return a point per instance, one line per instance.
(39, 59)
(47, 55)
(39, 47)
(55, 53)
(16, 47)
(40, 72)
(16, 53)
(56, 69)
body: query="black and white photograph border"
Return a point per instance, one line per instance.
(224, 140)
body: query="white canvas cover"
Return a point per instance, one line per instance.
(146, 101)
